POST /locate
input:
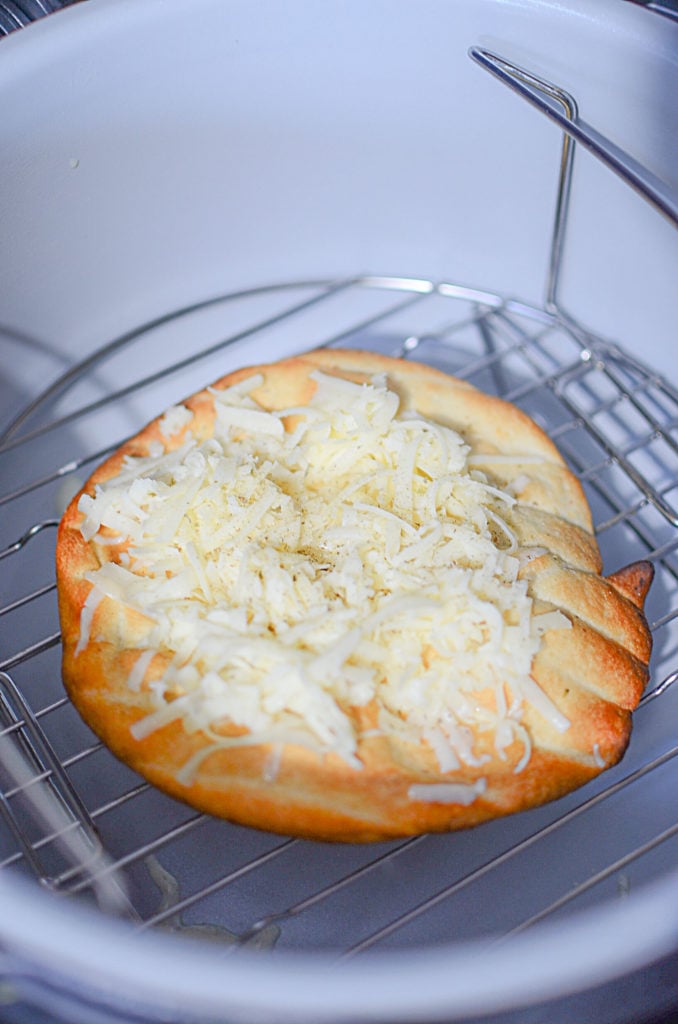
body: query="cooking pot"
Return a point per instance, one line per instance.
(188, 188)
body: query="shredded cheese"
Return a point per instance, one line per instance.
(92, 602)
(174, 420)
(360, 557)
(448, 792)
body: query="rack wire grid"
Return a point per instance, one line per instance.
(84, 824)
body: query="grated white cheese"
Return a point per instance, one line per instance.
(174, 420)
(359, 558)
(139, 669)
(272, 766)
(447, 792)
(92, 602)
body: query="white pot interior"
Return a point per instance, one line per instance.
(157, 155)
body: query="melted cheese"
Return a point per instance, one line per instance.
(360, 557)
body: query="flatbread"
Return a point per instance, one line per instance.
(365, 767)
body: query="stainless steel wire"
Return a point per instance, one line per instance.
(560, 107)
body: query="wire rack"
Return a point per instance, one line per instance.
(82, 823)
(85, 825)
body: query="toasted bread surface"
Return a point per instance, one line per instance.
(571, 721)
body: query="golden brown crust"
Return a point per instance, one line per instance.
(594, 672)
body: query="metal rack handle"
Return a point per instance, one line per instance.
(547, 98)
